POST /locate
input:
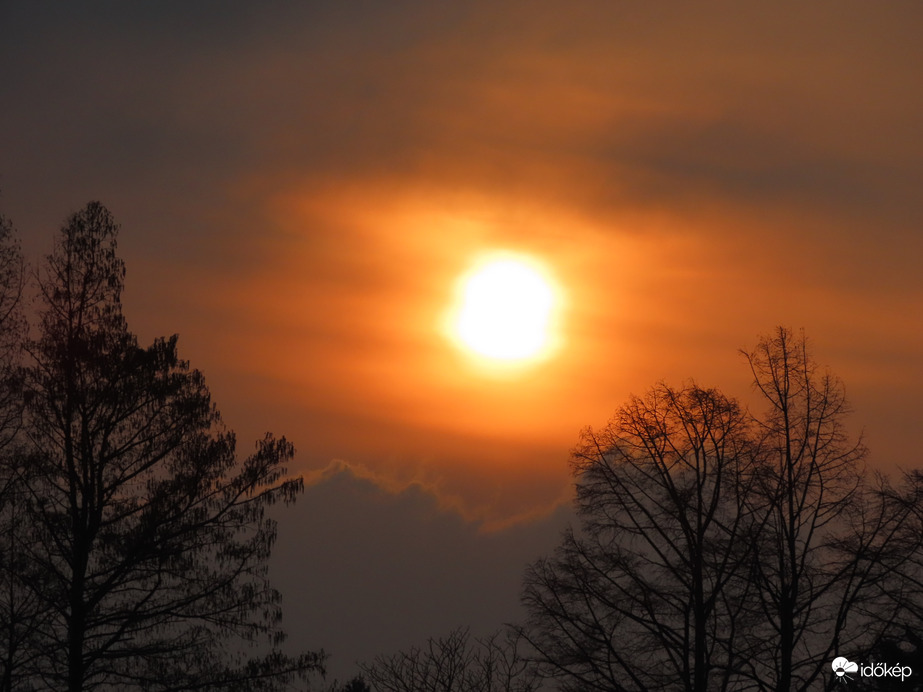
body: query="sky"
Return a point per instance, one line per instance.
(302, 186)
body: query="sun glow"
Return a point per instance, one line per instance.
(505, 310)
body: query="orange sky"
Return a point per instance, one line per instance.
(300, 191)
(341, 337)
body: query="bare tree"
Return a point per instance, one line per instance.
(895, 608)
(12, 330)
(719, 549)
(148, 537)
(456, 663)
(356, 684)
(905, 587)
(826, 547)
(648, 594)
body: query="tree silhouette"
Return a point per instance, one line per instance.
(648, 595)
(20, 610)
(456, 663)
(357, 684)
(719, 549)
(148, 539)
(827, 549)
(12, 326)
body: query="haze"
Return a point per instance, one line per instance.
(300, 186)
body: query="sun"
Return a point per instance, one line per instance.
(505, 308)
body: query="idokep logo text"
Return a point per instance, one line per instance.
(846, 670)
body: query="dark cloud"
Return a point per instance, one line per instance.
(608, 105)
(365, 572)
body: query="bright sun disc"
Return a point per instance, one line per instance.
(505, 310)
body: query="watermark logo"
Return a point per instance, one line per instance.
(845, 670)
(842, 667)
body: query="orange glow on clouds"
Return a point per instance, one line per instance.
(353, 345)
(346, 312)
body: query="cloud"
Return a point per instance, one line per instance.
(365, 571)
(417, 479)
